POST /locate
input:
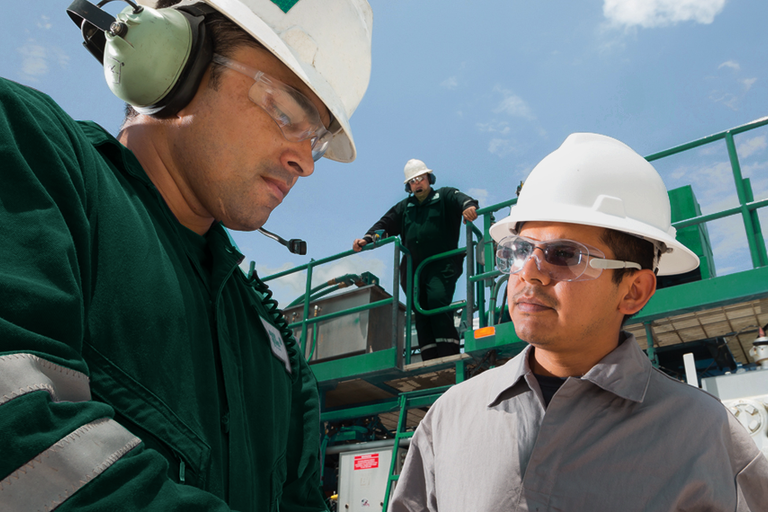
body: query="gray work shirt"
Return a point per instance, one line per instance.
(624, 437)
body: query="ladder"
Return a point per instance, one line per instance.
(408, 400)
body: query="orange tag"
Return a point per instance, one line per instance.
(484, 332)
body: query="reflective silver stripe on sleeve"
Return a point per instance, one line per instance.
(24, 373)
(57, 473)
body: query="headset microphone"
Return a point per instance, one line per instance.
(294, 245)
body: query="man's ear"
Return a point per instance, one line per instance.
(639, 287)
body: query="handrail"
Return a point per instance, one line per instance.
(747, 205)
(757, 123)
(394, 300)
(427, 261)
(481, 273)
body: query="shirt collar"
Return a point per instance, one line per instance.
(625, 372)
(432, 192)
(508, 377)
(122, 157)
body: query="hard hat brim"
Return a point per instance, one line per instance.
(342, 147)
(428, 171)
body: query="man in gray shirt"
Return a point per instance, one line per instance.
(580, 421)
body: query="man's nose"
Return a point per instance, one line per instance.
(532, 270)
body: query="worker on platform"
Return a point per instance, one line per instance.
(140, 368)
(581, 421)
(428, 223)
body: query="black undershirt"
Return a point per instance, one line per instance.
(549, 386)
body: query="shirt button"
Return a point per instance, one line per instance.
(225, 423)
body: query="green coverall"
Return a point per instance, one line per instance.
(187, 354)
(428, 228)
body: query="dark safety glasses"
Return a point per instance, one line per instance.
(293, 112)
(562, 260)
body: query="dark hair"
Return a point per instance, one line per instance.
(226, 36)
(627, 247)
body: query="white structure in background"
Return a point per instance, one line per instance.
(745, 393)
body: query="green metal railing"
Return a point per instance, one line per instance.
(747, 205)
(394, 300)
(481, 272)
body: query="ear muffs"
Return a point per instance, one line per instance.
(430, 178)
(154, 59)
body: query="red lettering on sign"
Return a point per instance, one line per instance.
(368, 461)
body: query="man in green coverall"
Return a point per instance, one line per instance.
(140, 368)
(428, 223)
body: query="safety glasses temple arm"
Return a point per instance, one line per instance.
(236, 66)
(612, 264)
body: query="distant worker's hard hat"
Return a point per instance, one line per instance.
(595, 180)
(326, 43)
(413, 168)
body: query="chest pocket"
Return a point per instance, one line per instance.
(150, 419)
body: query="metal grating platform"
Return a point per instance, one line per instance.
(737, 323)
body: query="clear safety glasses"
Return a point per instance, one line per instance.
(293, 112)
(417, 179)
(562, 260)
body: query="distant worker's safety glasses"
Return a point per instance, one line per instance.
(417, 179)
(293, 112)
(562, 260)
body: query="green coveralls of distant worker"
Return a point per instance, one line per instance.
(428, 222)
(198, 396)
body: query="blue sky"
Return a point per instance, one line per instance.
(481, 91)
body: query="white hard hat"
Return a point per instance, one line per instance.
(326, 43)
(598, 181)
(413, 168)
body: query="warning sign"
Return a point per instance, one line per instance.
(367, 461)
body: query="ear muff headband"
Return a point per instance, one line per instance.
(154, 59)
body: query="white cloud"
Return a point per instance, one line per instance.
(494, 127)
(513, 105)
(36, 59)
(34, 62)
(751, 146)
(657, 13)
(727, 99)
(729, 245)
(350, 266)
(730, 64)
(480, 194)
(718, 176)
(679, 173)
(748, 83)
(732, 88)
(44, 23)
(450, 83)
(501, 147)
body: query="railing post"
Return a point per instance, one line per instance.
(740, 192)
(396, 309)
(307, 294)
(469, 310)
(408, 303)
